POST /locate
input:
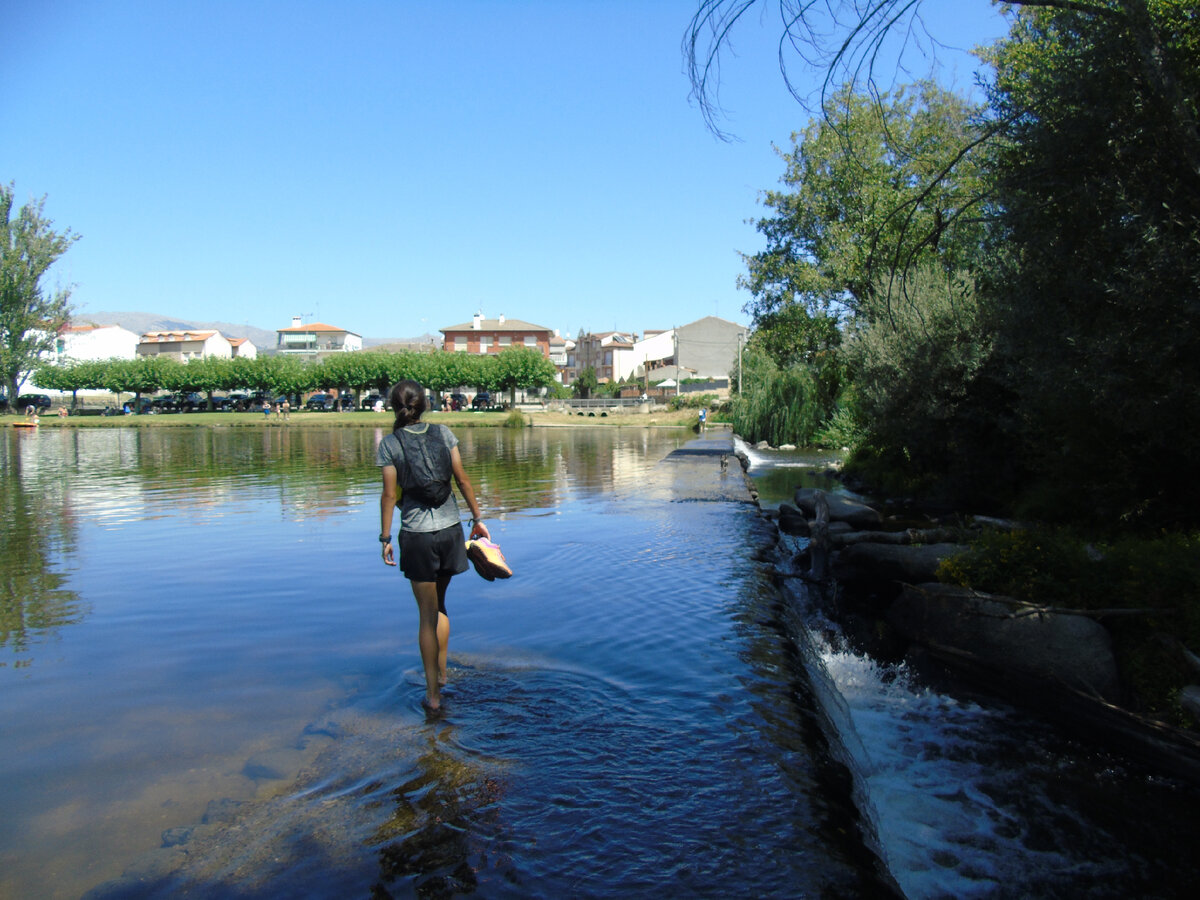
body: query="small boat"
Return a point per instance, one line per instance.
(24, 424)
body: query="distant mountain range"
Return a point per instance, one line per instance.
(141, 322)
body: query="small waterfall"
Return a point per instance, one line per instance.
(962, 795)
(938, 795)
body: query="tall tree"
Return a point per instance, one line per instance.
(523, 367)
(1094, 291)
(30, 316)
(872, 190)
(73, 375)
(137, 376)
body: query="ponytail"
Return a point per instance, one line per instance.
(407, 400)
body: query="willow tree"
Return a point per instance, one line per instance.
(30, 315)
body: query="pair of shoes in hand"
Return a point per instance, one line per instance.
(489, 562)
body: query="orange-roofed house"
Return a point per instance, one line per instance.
(243, 348)
(184, 344)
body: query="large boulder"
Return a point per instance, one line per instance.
(890, 564)
(1005, 636)
(841, 508)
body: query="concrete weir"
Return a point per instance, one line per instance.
(707, 470)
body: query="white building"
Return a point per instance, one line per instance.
(184, 345)
(87, 342)
(243, 348)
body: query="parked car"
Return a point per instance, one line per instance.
(221, 404)
(143, 406)
(320, 403)
(191, 402)
(164, 404)
(482, 400)
(39, 402)
(369, 401)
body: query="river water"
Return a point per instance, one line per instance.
(209, 686)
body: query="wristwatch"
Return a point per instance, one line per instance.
(385, 539)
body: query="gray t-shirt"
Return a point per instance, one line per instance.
(413, 516)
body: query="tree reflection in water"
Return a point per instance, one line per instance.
(33, 602)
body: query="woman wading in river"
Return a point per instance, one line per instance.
(432, 549)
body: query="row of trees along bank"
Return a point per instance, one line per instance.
(996, 302)
(511, 369)
(31, 317)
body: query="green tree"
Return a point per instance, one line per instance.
(72, 375)
(284, 374)
(585, 384)
(1092, 293)
(204, 375)
(871, 192)
(525, 368)
(353, 372)
(873, 198)
(30, 317)
(141, 375)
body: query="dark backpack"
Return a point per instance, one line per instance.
(425, 475)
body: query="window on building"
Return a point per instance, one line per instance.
(460, 343)
(531, 340)
(485, 343)
(505, 340)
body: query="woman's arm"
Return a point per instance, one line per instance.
(387, 505)
(468, 494)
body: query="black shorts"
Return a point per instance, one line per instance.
(429, 555)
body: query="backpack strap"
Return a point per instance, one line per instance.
(395, 448)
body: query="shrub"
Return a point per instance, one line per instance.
(693, 401)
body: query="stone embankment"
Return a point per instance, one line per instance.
(1059, 662)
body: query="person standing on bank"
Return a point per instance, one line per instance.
(432, 549)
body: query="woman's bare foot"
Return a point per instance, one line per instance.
(433, 704)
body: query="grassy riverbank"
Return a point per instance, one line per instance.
(364, 419)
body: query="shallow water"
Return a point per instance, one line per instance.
(209, 682)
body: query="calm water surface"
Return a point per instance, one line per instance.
(210, 687)
(209, 681)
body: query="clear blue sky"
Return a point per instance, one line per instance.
(392, 167)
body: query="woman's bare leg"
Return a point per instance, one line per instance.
(426, 594)
(443, 628)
